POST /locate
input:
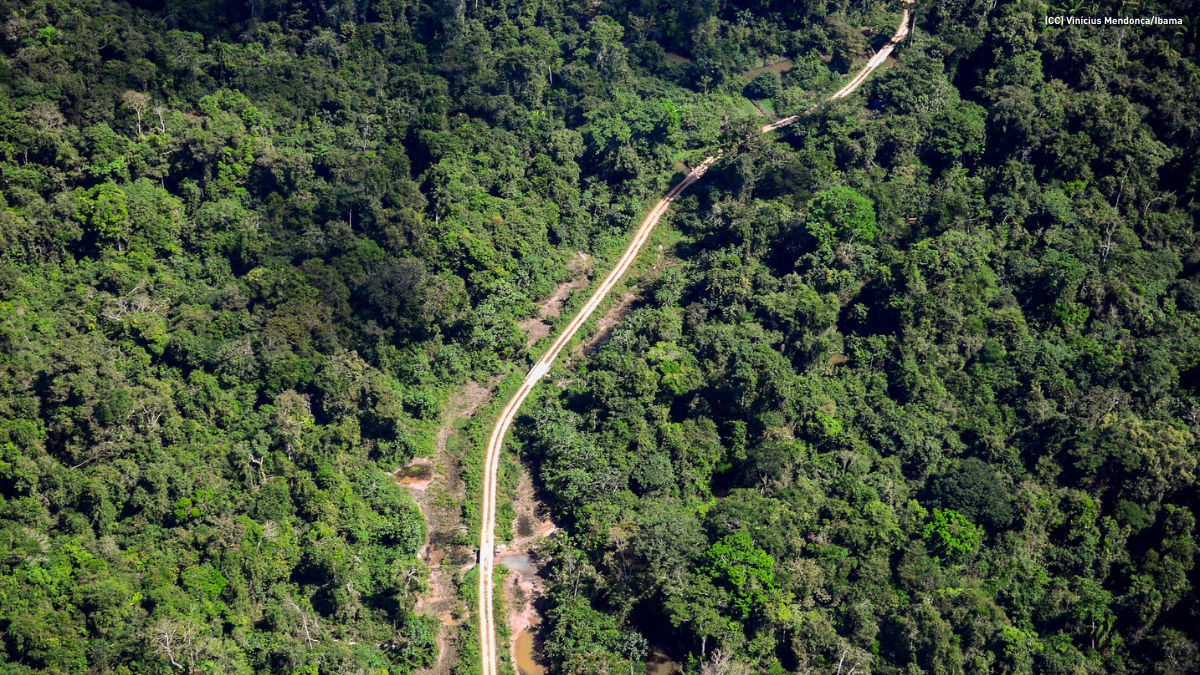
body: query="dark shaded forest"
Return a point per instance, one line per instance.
(917, 392)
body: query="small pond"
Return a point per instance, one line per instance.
(530, 662)
(526, 657)
(660, 663)
(521, 564)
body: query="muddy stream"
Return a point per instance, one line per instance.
(780, 67)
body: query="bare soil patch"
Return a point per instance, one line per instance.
(461, 405)
(607, 323)
(536, 328)
(436, 485)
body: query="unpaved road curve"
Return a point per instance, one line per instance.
(487, 540)
(487, 537)
(859, 77)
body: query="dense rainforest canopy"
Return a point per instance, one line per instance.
(917, 391)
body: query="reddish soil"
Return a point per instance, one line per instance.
(524, 592)
(536, 328)
(607, 323)
(436, 486)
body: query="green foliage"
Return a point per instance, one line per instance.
(846, 40)
(249, 263)
(944, 352)
(247, 250)
(764, 85)
(951, 535)
(958, 132)
(840, 215)
(974, 489)
(736, 564)
(103, 212)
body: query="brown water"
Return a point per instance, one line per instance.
(526, 658)
(678, 59)
(530, 662)
(780, 67)
(417, 474)
(660, 663)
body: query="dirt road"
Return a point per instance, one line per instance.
(487, 543)
(487, 539)
(859, 77)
